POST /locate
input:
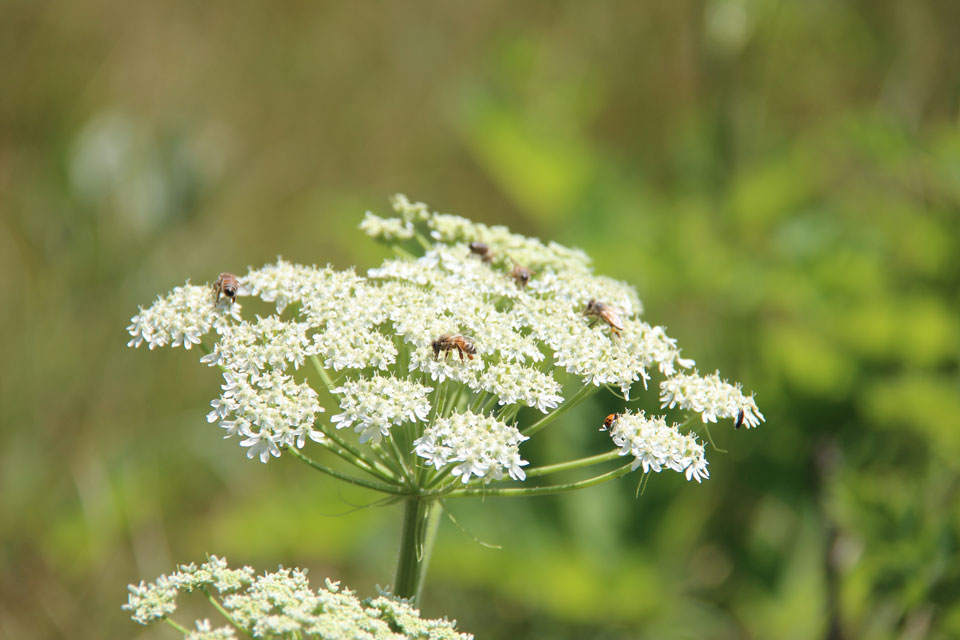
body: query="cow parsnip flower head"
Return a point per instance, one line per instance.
(441, 362)
(281, 604)
(654, 445)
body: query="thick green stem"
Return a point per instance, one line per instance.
(420, 520)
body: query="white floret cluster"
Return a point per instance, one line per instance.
(268, 410)
(709, 396)
(515, 384)
(268, 343)
(523, 345)
(180, 318)
(282, 604)
(204, 631)
(655, 445)
(477, 445)
(372, 406)
(386, 228)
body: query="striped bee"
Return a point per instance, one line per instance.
(606, 313)
(448, 343)
(226, 285)
(521, 274)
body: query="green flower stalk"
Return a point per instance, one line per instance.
(438, 365)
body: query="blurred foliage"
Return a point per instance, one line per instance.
(781, 180)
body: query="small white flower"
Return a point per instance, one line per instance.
(150, 602)
(346, 314)
(477, 445)
(268, 410)
(386, 228)
(204, 631)
(505, 245)
(260, 444)
(284, 283)
(655, 445)
(450, 366)
(216, 572)
(282, 604)
(182, 317)
(410, 211)
(513, 384)
(709, 396)
(372, 406)
(266, 343)
(578, 287)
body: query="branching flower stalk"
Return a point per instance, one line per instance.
(438, 365)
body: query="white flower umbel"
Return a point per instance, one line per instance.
(477, 445)
(269, 410)
(434, 358)
(386, 228)
(204, 631)
(285, 283)
(266, 343)
(182, 317)
(655, 445)
(513, 384)
(511, 343)
(282, 604)
(709, 396)
(372, 406)
(154, 601)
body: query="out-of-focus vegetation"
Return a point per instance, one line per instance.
(780, 179)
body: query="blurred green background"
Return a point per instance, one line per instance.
(780, 180)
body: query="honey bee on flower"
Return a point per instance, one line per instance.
(606, 313)
(447, 343)
(227, 285)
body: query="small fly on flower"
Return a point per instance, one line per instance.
(739, 422)
(448, 343)
(606, 313)
(226, 285)
(482, 250)
(521, 274)
(608, 422)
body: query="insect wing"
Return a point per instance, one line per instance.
(612, 316)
